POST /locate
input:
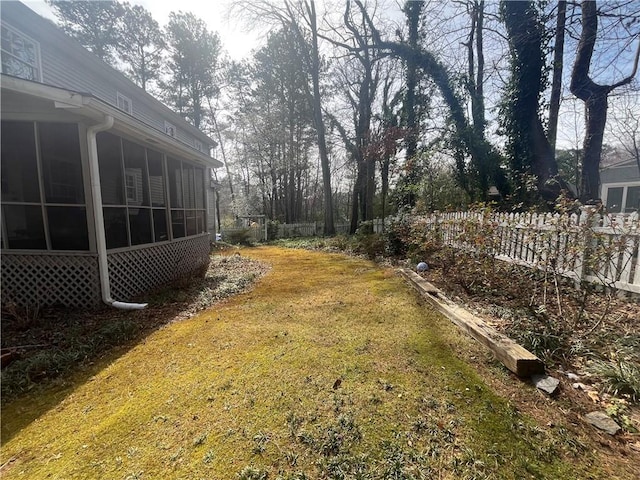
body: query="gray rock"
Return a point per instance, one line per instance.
(572, 376)
(602, 421)
(545, 383)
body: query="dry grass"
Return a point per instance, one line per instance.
(329, 368)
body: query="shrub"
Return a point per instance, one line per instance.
(240, 236)
(396, 236)
(372, 245)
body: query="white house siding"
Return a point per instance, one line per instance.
(624, 174)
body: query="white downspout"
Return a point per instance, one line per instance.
(96, 192)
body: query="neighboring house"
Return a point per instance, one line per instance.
(105, 191)
(620, 187)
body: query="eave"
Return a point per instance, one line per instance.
(94, 110)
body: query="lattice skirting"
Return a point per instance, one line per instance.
(133, 272)
(50, 279)
(72, 280)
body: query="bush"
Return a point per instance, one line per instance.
(411, 238)
(239, 236)
(372, 245)
(396, 236)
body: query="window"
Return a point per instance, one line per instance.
(124, 103)
(623, 198)
(169, 129)
(143, 192)
(198, 145)
(42, 187)
(131, 186)
(186, 196)
(20, 54)
(614, 199)
(135, 171)
(632, 202)
(61, 162)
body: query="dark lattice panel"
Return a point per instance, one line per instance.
(50, 279)
(136, 271)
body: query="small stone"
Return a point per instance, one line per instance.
(579, 386)
(603, 422)
(545, 383)
(572, 376)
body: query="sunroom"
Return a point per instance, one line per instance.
(96, 205)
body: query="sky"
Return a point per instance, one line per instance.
(235, 40)
(239, 43)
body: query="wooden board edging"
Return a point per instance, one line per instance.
(516, 358)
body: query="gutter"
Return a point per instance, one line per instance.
(101, 242)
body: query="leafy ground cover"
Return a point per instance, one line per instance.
(330, 367)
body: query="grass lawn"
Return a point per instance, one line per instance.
(330, 367)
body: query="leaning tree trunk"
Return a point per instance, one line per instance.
(484, 157)
(556, 83)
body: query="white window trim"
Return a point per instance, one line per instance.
(625, 188)
(136, 196)
(38, 64)
(170, 129)
(126, 101)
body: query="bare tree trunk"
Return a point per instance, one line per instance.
(356, 201)
(329, 226)
(556, 83)
(413, 11)
(596, 118)
(526, 44)
(595, 98)
(224, 156)
(484, 157)
(475, 85)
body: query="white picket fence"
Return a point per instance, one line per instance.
(585, 247)
(283, 230)
(602, 249)
(291, 230)
(254, 232)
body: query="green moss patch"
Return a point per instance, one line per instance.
(329, 368)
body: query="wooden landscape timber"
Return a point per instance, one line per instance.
(516, 358)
